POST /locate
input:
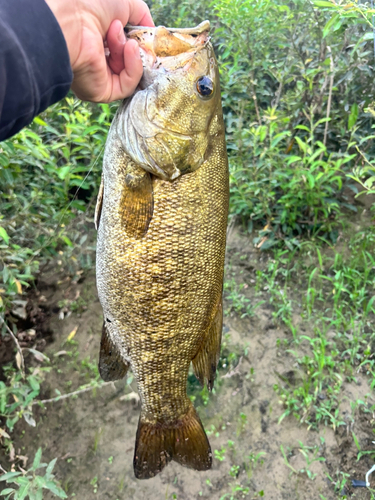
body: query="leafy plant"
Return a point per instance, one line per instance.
(17, 397)
(361, 452)
(47, 172)
(310, 454)
(28, 484)
(339, 481)
(296, 107)
(220, 454)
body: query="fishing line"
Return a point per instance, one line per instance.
(79, 187)
(68, 206)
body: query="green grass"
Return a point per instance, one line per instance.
(309, 453)
(323, 298)
(335, 300)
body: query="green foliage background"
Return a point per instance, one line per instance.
(297, 89)
(298, 98)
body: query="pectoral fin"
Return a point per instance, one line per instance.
(137, 202)
(99, 204)
(111, 364)
(207, 358)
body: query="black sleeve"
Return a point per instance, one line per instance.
(35, 69)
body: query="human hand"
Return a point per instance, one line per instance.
(86, 25)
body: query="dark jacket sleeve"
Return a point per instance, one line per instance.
(35, 69)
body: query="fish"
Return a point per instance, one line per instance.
(161, 218)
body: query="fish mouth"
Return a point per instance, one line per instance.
(197, 30)
(167, 49)
(168, 55)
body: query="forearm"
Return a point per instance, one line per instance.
(35, 69)
(68, 15)
(43, 43)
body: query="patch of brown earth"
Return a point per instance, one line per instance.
(93, 434)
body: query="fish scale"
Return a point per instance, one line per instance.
(160, 258)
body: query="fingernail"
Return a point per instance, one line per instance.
(121, 36)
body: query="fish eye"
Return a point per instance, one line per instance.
(205, 86)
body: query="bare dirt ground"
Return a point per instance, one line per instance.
(93, 433)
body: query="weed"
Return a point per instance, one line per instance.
(94, 484)
(220, 454)
(234, 471)
(252, 461)
(16, 399)
(30, 485)
(122, 483)
(212, 430)
(339, 482)
(238, 491)
(310, 454)
(205, 395)
(39, 169)
(242, 421)
(98, 435)
(361, 452)
(231, 447)
(238, 303)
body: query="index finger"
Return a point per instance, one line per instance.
(139, 14)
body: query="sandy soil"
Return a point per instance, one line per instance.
(93, 434)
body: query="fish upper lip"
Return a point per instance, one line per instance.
(169, 48)
(200, 28)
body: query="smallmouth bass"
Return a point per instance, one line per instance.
(161, 217)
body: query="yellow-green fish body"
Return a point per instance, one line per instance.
(161, 216)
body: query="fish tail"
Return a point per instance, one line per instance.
(184, 441)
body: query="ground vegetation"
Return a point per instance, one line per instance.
(294, 399)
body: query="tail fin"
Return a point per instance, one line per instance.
(183, 441)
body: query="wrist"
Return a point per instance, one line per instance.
(68, 15)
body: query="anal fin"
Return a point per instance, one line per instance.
(111, 364)
(206, 360)
(184, 441)
(137, 201)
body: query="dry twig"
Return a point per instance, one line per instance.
(70, 394)
(21, 360)
(235, 370)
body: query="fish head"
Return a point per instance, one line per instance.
(165, 125)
